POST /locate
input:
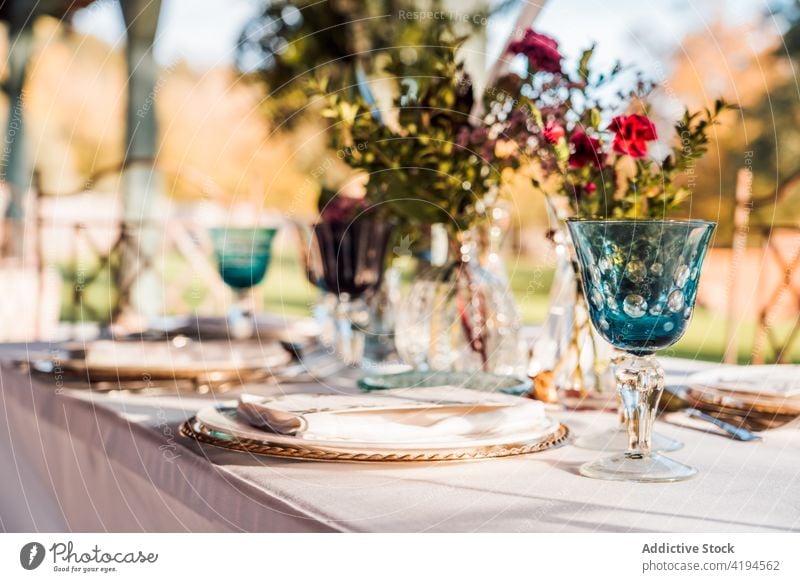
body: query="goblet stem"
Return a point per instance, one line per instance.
(616, 439)
(323, 312)
(241, 315)
(351, 318)
(640, 382)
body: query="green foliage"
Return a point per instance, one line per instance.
(291, 41)
(427, 158)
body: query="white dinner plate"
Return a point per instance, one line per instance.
(227, 421)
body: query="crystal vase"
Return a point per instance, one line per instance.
(568, 354)
(457, 315)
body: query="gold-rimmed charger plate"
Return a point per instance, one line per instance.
(194, 366)
(195, 430)
(771, 391)
(109, 360)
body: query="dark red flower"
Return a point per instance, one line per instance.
(553, 132)
(631, 134)
(343, 209)
(463, 136)
(541, 51)
(585, 150)
(590, 188)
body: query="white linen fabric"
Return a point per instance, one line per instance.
(418, 416)
(80, 461)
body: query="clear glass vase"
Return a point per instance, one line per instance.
(568, 354)
(457, 315)
(380, 352)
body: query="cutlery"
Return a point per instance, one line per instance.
(733, 418)
(736, 432)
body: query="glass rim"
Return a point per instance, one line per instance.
(681, 221)
(252, 229)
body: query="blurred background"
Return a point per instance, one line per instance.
(211, 90)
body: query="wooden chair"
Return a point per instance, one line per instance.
(95, 246)
(778, 296)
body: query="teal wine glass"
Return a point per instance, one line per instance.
(640, 279)
(243, 256)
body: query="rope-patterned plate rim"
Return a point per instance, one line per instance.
(194, 430)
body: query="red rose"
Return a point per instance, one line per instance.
(541, 51)
(590, 188)
(553, 132)
(632, 132)
(585, 150)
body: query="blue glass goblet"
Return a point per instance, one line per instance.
(640, 280)
(243, 256)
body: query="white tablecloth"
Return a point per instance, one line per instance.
(77, 461)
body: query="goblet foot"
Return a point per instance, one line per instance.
(639, 467)
(616, 439)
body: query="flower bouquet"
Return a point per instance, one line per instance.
(438, 167)
(591, 159)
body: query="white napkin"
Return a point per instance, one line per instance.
(410, 415)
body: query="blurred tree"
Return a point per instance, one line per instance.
(74, 105)
(293, 42)
(15, 167)
(776, 149)
(753, 66)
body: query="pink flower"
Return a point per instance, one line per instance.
(541, 51)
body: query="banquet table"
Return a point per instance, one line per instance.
(77, 460)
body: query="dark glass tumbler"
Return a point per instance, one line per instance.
(347, 259)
